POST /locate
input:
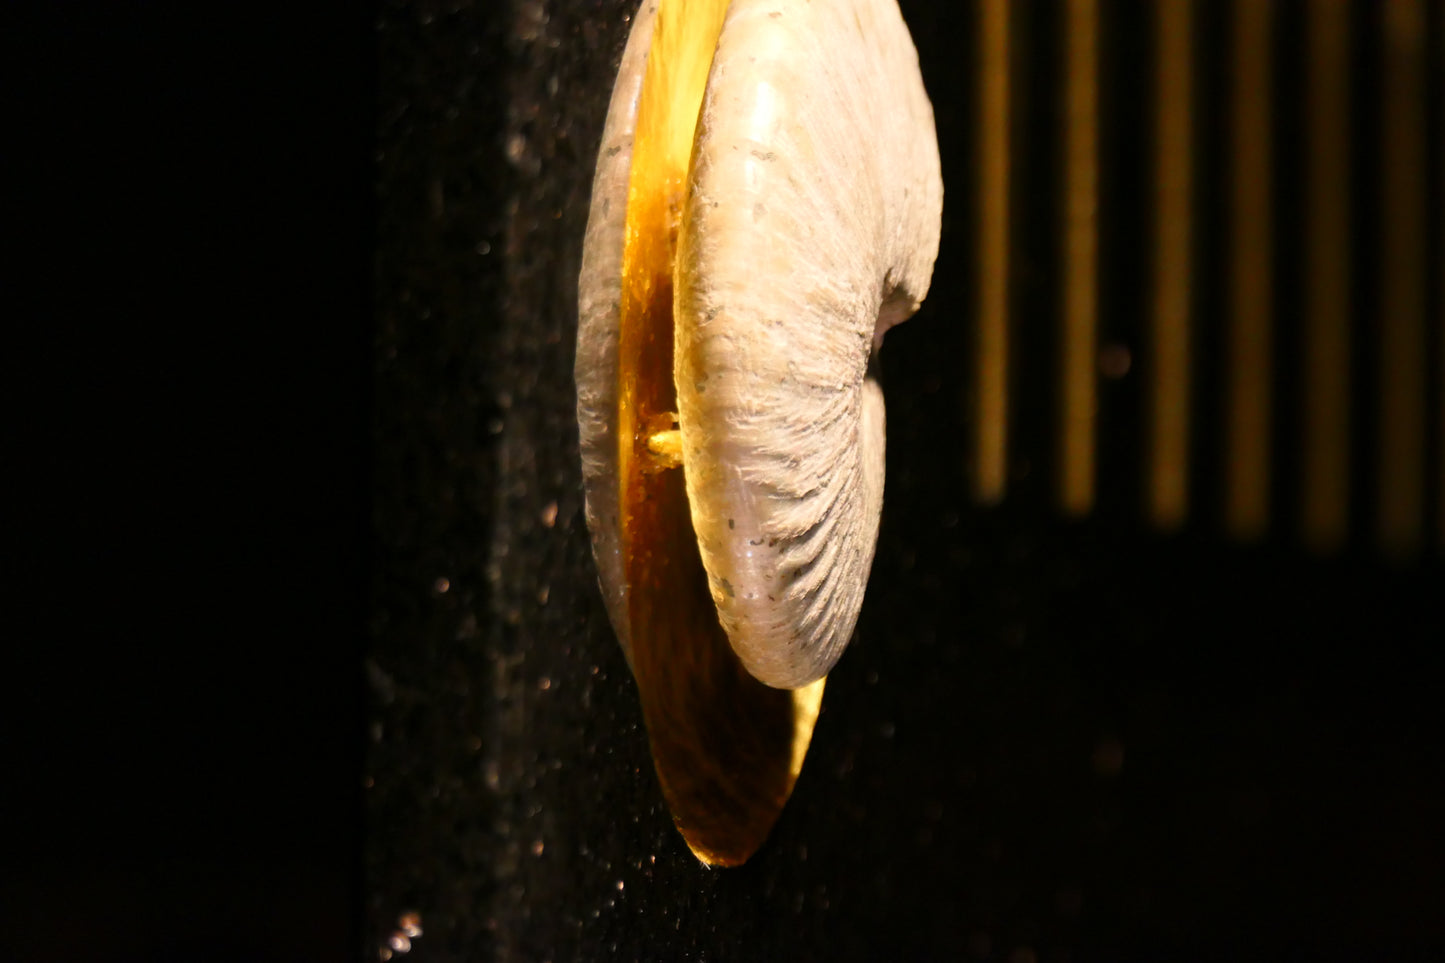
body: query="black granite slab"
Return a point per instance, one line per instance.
(1050, 740)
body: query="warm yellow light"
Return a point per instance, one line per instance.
(727, 747)
(683, 40)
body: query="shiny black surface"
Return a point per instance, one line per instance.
(1050, 740)
(319, 639)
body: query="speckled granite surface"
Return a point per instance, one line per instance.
(1048, 741)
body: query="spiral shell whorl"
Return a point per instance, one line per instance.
(801, 241)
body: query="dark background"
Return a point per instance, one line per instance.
(319, 638)
(187, 324)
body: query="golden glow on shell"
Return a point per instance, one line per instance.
(727, 747)
(766, 204)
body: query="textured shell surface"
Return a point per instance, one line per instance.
(812, 225)
(599, 318)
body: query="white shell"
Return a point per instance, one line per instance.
(599, 317)
(811, 226)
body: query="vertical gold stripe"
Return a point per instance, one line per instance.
(1078, 402)
(991, 378)
(1325, 478)
(1169, 385)
(1440, 309)
(1247, 373)
(1401, 507)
